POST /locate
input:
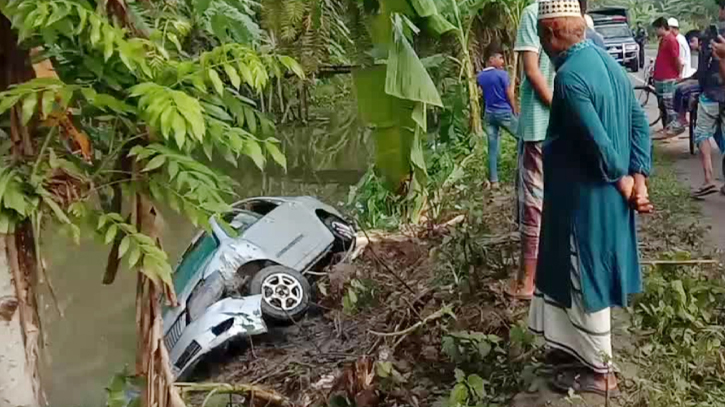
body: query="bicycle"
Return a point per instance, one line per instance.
(644, 92)
(694, 103)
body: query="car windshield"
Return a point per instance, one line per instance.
(193, 258)
(614, 31)
(198, 253)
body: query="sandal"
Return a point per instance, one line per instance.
(705, 190)
(581, 381)
(518, 295)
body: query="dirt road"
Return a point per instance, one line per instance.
(689, 172)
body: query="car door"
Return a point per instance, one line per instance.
(291, 235)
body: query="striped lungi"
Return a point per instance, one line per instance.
(530, 197)
(581, 334)
(666, 91)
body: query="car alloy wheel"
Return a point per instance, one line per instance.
(282, 291)
(285, 292)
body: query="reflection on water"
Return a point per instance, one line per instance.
(97, 338)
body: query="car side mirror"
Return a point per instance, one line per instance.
(217, 230)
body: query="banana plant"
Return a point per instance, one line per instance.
(394, 91)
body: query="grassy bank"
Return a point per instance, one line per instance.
(677, 323)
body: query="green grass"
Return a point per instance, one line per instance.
(677, 323)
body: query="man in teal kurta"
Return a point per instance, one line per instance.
(596, 158)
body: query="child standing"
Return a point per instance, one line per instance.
(501, 111)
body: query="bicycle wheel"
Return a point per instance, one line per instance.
(647, 98)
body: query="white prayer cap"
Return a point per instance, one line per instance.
(559, 8)
(673, 23)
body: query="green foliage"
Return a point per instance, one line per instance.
(487, 356)
(229, 20)
(678, 308)
(398, 113)
(123, 390)
(137, 106)
(469, 390)
(138, 249)
(471, 349)
(315, 32)
(681, 318)
(358, 296)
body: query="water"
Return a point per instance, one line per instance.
(96, 337)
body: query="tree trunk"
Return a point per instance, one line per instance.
(19, 322)
(19, 380)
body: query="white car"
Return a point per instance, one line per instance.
(251, 267)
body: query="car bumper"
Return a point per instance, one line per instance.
(625, 57)
(227, 319)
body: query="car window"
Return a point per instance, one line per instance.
(192, 260)
(612, 31)
(241, 220)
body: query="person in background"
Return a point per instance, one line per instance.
(640, 37)
(685, 54)
(709, 113)
(591, 34)
(718, 49)
(687, 88)
(500, 109)
(667, 69)
(596, 160)
(535, 99)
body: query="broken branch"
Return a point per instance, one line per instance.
(225, 388)
(432, 317)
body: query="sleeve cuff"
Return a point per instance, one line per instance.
(639, 170)
(526, 48)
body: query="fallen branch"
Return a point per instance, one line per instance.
(494, 240)
(678, 262)
(432, 317)
(255, 391)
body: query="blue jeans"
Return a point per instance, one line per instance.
(494, 122)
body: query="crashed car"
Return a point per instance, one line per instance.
(251, 267)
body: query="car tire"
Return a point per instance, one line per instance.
(273, 281)
(634, 65)
(342, 243)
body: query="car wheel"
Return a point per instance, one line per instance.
(285, 292)
(342, 231)
(634, 65)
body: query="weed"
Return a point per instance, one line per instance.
(469, 390)
(359, 295)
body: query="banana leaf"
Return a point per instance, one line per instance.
(392, 122)
(406, 76)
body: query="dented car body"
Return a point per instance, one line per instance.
(212, 277)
